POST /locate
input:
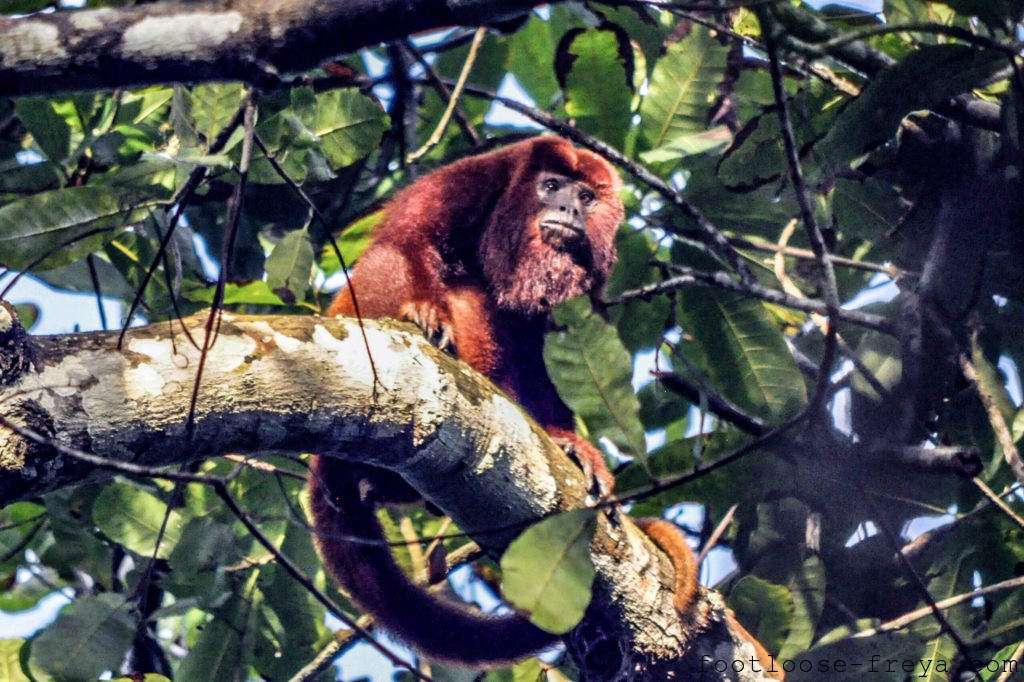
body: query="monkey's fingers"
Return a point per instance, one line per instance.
(432, 321)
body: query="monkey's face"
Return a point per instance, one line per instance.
(564, 205)
(551, 240)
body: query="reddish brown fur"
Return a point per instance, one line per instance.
(671, 541)
(461, 252)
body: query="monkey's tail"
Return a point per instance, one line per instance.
(438, 628)
(672, 541)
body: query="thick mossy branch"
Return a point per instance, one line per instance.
(193, 42)
(304, 384)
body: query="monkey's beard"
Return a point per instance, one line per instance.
(528, 275)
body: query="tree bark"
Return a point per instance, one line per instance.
(305, 384)
(253, 41)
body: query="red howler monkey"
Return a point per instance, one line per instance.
(475, 253)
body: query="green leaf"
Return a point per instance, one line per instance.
(49, 129)
(251, 293)
(45, 223)
(929, 76)
(994, 13)
(28, 313)
(90, 636)
(213, 105)
(221, 652)
(641, 324)
(10, 661)
(1004, 656)
(530, 670)
(299, 618)
(16, 177)
(866, 208)
(23, 6)
(198, 576)
(349, 125)
(289, 265)
(547, 570)
(317, 135)
(684, 86)
(764, 608)
(593, 374)
(352, 241)
(133, 517)
(735, 341)
(807, 591)
(78, 277)
(598, 76)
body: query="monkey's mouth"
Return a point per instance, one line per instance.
(558, 233)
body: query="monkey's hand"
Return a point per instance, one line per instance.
(434, 322)
(590, 459)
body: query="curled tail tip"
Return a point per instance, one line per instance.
(667, 536)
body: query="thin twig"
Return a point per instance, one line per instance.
(301, 193)
(997, 501)
(303, 579)
(943, 605)
(892, 271)
(212, 326)
(180, 202)
(916, 580)
(999, 426)
(438, 133)
(1014, 662)
(444, 92)
(814, 234)
(694, 277)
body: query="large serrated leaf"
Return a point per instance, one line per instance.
(593, 374)
(597, 84)
(318, 134)
(927, 77)
(133, 517)
(683, 87)
(288, 266)
(736, 342)
(90, 636)
(547, 570)
(66, 223)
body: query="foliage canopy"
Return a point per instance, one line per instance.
(789, 171)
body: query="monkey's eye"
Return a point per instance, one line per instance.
(551, 185)
(587, 197)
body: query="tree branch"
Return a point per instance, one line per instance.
(203, 41)
(304, 384)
